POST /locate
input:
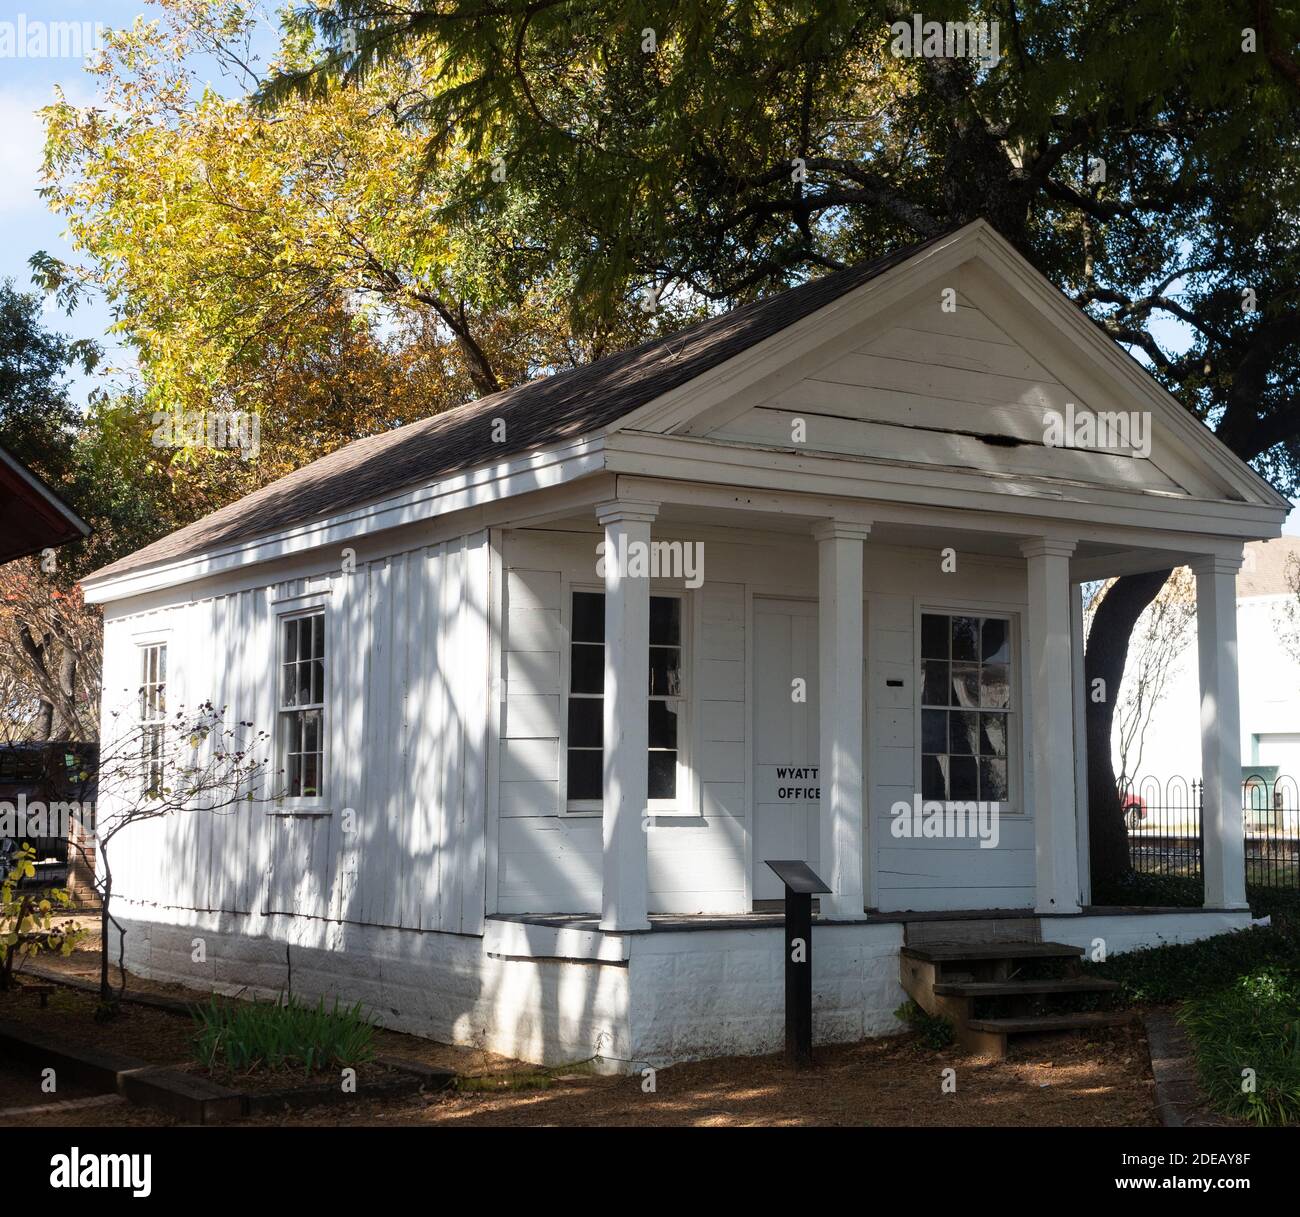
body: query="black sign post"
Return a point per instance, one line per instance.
(801, 883)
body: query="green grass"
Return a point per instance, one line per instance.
(242, 1036)
(1246, 1039)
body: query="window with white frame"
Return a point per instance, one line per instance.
(302, 704)
(966, 706)
(666, 690)
(153, 714)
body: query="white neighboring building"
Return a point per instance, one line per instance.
(1268, 624)
(566, 778)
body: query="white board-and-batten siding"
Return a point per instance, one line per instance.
(407, 650)
(700, 860)
(548, 859)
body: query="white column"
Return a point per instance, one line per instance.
(1224, 859)
(1082, 834)
(839, 641)
(1051, 685)
(627, 714)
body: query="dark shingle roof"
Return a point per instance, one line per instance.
(545, 411)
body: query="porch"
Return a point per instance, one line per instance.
(700, 986)
(866, 575)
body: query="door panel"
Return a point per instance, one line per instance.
(785, 739)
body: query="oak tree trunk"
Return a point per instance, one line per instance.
(1104, 659)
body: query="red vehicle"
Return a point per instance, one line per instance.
(1133, 807)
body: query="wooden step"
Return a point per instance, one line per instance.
(1051, 1022)
(1013, 988)
(955, 952)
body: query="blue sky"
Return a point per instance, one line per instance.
(26, 84)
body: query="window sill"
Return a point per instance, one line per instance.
(287, 809)
(654, 813)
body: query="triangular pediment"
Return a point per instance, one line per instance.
(967, 358)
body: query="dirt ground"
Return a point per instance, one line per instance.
(1103, 1079)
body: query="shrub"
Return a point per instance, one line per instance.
(1189, 970)
(27, 925)
(934, 1031)
(1254, 1025)
(282, 1034)
(1280, 903)
(1147, 891)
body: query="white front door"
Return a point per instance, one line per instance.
(785, 738)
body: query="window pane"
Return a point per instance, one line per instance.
(935, 690)
(663, 775)
(311, 731)
(665, 671)
(586, 722)
(965, 638)
(288, 684)
(934, 636)
(995, 689)
(993, 734)
(584, 774)
(995, 646)
(318, 680)
(295, 776)
(665, 620)
(291, 639)
(587, 668)
(963, 733)
(304, 683)
(304, 638)
(934, 781)
(663, 725)
(965, 684)
(934, 730)
(318, 636)
(993, 780)
(963, 779)
(588, 617)
(310, 774)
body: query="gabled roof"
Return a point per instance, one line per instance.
(32, 516)
(633, 388)
(563, 406)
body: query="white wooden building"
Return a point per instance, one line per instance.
(871, 599)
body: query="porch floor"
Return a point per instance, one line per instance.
(772, 913)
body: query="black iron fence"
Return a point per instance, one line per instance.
(1166, 835)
